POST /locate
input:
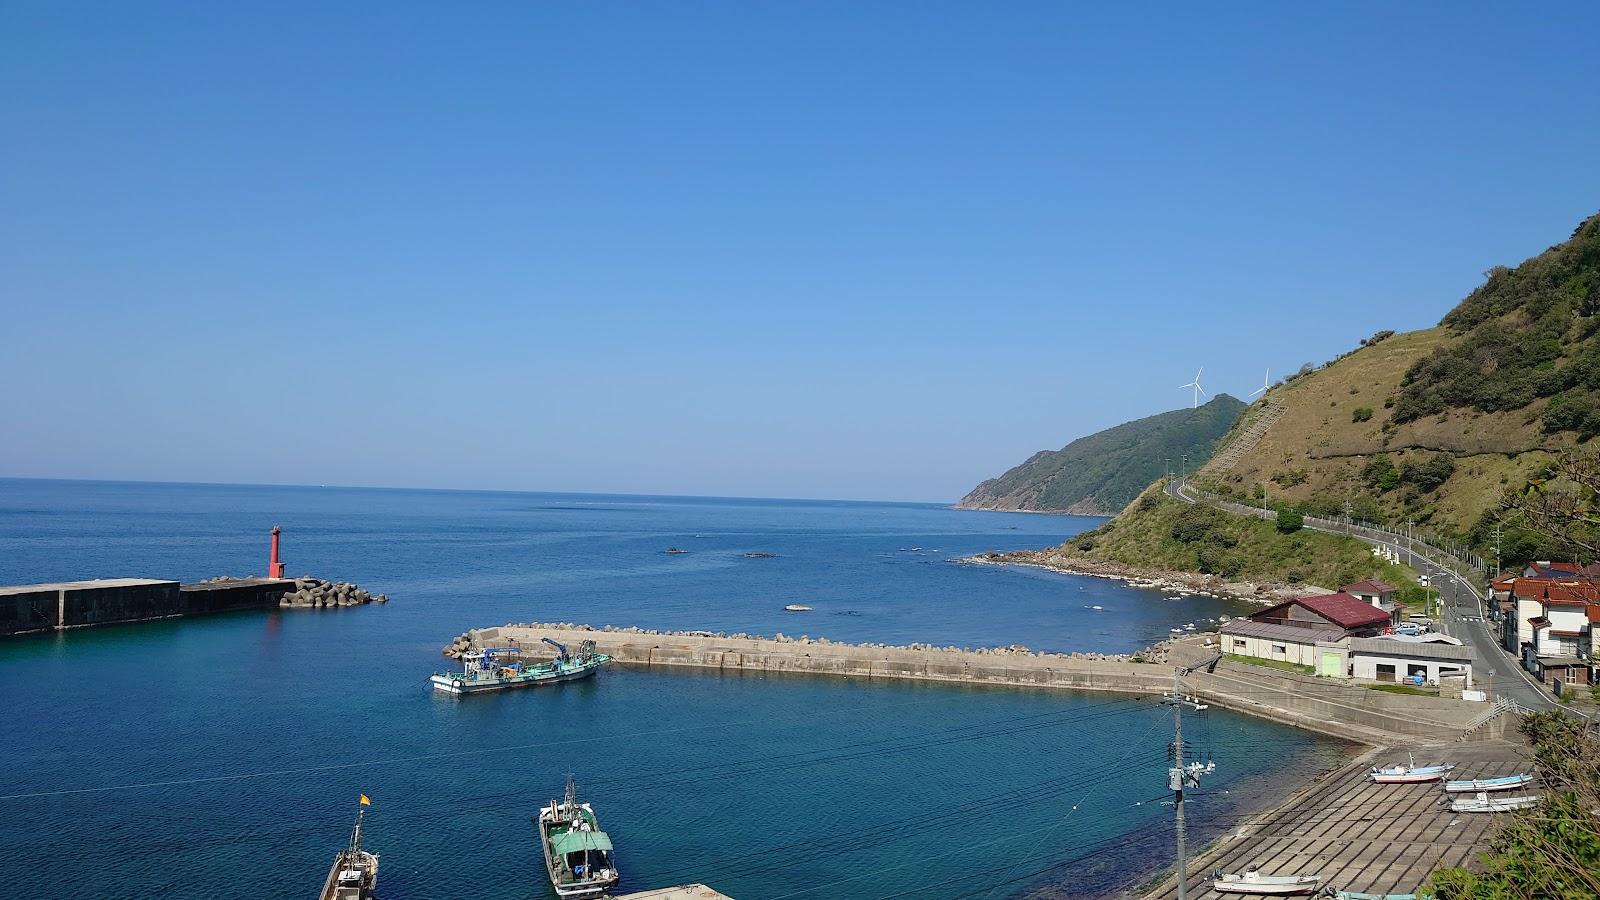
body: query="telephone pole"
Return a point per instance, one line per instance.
(1497, 535)
(1181, 776)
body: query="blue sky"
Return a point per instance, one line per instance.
(857, 250)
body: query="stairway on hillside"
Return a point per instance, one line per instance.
(1229, 456)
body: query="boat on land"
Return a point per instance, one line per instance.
(1410, 773)
(1483, 803)
(577, 854)
(495, 669)
(1252, 881)
(1357, 895)
(354, 875)
(1486, 785)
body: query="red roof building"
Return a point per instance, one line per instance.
(1349, 614)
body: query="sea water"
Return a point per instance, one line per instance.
(225, 754)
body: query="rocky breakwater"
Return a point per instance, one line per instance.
(314, 593)
(471, 640)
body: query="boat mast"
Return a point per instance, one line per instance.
(355, 836)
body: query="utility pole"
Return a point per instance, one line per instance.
(1349, 512)
(1184, 479)
(1411, 552)
(1497, 535)
(1181, 776)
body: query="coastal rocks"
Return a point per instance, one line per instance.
(314, 593)
(1193, 583)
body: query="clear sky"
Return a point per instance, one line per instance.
(806, 249)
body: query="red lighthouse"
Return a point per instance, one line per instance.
(275, 566)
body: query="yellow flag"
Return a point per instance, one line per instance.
(365, 801)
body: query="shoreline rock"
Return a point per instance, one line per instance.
(315, 593)
(1187, 582)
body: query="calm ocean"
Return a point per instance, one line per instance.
(222, 756)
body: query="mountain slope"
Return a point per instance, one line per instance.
(1102, 473)
(1433, 425)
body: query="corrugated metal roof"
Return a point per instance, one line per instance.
(1387, 647)
(1248, 628)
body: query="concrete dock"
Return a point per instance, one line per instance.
(681, 892)
(1323, 705)
(107, 601)
(1358, 835)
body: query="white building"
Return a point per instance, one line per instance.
(1392, 660)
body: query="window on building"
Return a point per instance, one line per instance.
(1238, 644)
(1279, 651)
(1385, 672)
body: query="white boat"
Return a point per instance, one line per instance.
(1484, 785)
(797, 607)
(1410, 773)
(483, 670)
(1252, 881)
(1483, 803)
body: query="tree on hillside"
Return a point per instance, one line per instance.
(1563, 503)
(1290, 520)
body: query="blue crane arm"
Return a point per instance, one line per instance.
(558, 645)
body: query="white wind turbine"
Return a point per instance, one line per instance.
(1198, 390)
(1266, 382)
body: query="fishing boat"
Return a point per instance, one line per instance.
(1357, 895)
(797, 607)
(577, 854)
(1410, 773)
(1483, 803)
(354, 875)
(491, 669)
(1485, 785)
(1252, 881)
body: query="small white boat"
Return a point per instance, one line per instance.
(1252, 881)
(797, 607)
(1483, 803)
(1410, 773)
(1484, 785)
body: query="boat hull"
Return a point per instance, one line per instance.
(1487, 785)
(1498, 805)
(1265, 890)
(595, 887)
(455, 683)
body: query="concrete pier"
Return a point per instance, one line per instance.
(78, 604)
(1321, 705)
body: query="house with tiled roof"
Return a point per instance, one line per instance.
(1554, 628)
(1378, 593)
(1304, 630)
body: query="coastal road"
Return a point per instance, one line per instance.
(1465, 617)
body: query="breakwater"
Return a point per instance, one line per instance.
(1348, 711)
(31, 608)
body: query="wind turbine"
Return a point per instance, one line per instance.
(1266, 382)
(1198, 390)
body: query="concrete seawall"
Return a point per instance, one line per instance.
(1321, 705)
(80, 604)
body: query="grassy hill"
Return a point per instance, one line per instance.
(1434, 425)
(1101, 473)
(1158, 532)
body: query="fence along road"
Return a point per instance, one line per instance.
(1496, 667)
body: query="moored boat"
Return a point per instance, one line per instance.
(1483, 803)
(1252, 881)
(354, 875)
(1484, 785)
(577, 855)
(1410, 773)
(482, 670)
(1357, 895)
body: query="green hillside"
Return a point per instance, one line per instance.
(1157, 532)
(1435, 426)
(1528, 334)
(1101, 473)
